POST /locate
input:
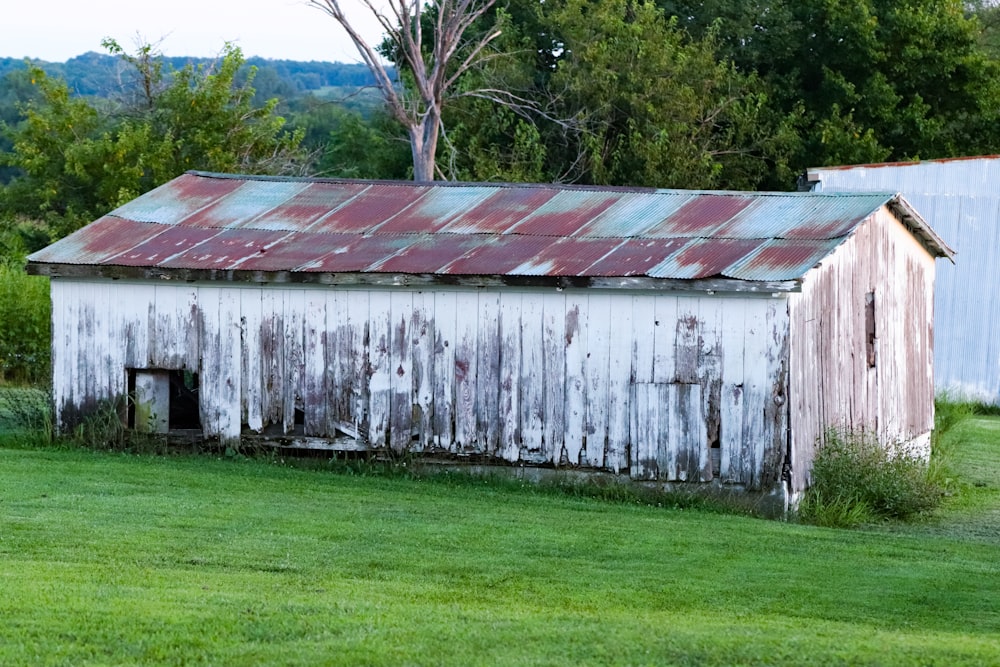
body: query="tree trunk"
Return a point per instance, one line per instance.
(423, 144)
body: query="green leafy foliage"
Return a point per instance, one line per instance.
(855, 479)
(871, 80)
(25, 324)
(76, 159)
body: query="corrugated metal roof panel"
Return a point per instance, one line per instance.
(566, 257)
(633, 214)
(700, 216)
(304, 208)
(359, 253)
(436, 209)
(155, 251)
(242, 205)
(780, 259)
(98, 242)
(296, 251)
(425, 253)
(565, 213)
(702, 258)
(174, 201)
(373, 206)
(214, 221)
(634, 257)
(498, 213)
(499, 255)
(226, 249)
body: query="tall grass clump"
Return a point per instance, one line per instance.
(25, 324)
(856, 480)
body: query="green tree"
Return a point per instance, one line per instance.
(873, 79)
(77, 159)
(619, 95)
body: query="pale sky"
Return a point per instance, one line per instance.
(56, 30)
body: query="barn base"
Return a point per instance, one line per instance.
(772, 503)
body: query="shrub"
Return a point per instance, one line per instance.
(25, 324)
(856, 479)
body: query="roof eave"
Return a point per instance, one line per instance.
(715, 285)
(914, 222)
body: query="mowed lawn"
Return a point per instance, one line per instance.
(109, 558)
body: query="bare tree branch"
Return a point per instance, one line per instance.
(435, 68)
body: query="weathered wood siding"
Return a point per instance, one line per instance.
(659, 386)
(872, 296)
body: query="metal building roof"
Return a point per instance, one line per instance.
(202, 221)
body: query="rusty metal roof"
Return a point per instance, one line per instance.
(249, 223)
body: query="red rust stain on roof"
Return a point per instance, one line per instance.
(634, 257)
(174, 240)
(701, 216)
(501, 211)
(372, 207)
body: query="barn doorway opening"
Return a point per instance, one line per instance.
(162, 400)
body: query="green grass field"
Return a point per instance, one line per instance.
(109, 558)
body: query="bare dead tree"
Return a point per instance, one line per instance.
(435, 62)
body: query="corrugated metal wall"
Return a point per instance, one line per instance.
(660, 386)
(961, 201)
(834, 381)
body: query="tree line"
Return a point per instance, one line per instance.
(707, 94)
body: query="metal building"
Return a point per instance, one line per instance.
(667, 335)
(961, 199)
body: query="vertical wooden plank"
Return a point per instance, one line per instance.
(379, 339)
(710, 355)
(190, 321)
(774, 436)
(355, 347)
(293, 321)
(488, 372)
(664, 338)
(731, 433)
(210, 392)
(272, 356)
(576, 375)
(619, 381)
(445, 344)
(648, 430)
(646, 328)
(251, 378)
(163, 342)
(687, 448)
(62, 351)
(82, 316)
(119, 345)
(230, 363)
(755, 391)
(466, 371)
(554, 375)
(400, 371)
(510, 375)
(533, 379)
(686, 346)
(422, 326)
(315, 398)
(101, 295)
(338, 388)
(598, 366)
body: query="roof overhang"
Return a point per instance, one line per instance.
(919, 228)
(719, 285)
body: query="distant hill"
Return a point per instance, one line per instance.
(95, 74)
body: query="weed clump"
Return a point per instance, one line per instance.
(856, 480)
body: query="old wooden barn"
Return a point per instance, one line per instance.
(666, 335)
(961, 198)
